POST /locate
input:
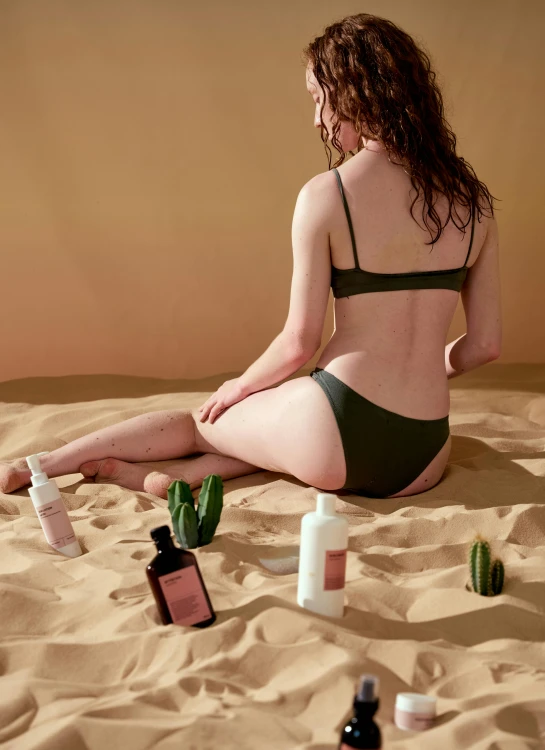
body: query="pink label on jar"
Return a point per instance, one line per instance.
(185, 597)
(56, 524)
(408, 720)
(335, 569)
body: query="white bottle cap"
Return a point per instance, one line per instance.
(415, 703)
(38, 476)
(325, 504)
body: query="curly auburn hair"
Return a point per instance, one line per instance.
(377, 78)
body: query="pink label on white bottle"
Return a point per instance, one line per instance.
(334, 569)
(56, 524)
(185, 597)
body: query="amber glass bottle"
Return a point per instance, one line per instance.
(177, 584)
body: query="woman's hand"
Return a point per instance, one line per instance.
(229, 393)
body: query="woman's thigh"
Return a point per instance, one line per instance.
(290, 429)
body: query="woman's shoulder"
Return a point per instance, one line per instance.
(318, 193)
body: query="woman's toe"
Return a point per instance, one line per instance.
(13, 477)
(157, 483)
(90, 468)
(107, 468)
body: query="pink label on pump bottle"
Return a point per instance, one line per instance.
(334, 569)
(185, 597)
(56, 524)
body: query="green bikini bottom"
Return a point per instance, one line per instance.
(384, 451)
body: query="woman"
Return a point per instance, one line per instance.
(372, 418)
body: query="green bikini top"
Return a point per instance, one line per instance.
(348, 281)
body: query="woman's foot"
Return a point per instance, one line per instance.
(14, 475)
(131, 476)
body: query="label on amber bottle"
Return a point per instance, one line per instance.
(56, 524)
(185, 597)
(334, 569)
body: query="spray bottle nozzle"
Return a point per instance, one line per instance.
(368, 690)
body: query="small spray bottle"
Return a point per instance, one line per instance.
(50, 510)
(361, 731)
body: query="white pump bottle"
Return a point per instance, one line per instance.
(322, 560)
(50, 510)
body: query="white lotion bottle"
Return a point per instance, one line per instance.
(322, 560)
(50, 510)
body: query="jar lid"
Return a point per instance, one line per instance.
(415, 703)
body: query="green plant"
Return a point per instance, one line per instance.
(179, 492)
(195, 528)
(486, 577)
(184, 522)
(210, 507)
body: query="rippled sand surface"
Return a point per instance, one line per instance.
(85, 662)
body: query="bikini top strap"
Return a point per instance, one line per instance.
(347, 212)
(471, 238)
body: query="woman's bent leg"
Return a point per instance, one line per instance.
(136, 476)
(158, 436)
(194, 470)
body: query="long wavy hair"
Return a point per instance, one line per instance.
(377, 78)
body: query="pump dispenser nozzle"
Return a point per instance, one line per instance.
(38, 476)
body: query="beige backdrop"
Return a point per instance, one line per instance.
(151, 154)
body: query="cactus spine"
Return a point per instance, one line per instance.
(486, 578)
(195, 528)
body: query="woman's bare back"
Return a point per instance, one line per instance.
(390, 346)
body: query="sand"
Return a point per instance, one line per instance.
(85, 662)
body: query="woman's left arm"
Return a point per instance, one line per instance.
(302, 334)
(283, 358)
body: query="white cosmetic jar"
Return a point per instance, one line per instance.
(414, 711)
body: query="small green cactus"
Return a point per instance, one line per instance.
(486, 578)
(210, 507)
(195, 528)
(496, 578)
(184, 522)
(179, 492)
